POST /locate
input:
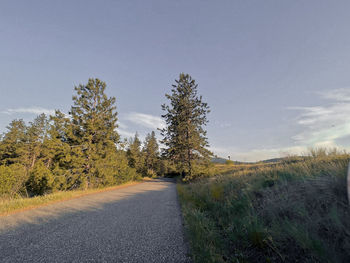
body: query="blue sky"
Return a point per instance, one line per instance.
(275, 73)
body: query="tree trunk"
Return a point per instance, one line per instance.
(189, 163)
(33, 161)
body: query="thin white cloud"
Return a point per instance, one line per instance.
(336, 94)
(319, 126)
(29, 110)
(123, 130)
(323, 123)
(145, 120)
(122, 125)
(125, 133)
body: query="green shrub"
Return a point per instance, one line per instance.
(61, 177)
(123, 172)
(200, 170)
(12, 179)
(41, 180)
(151, 173)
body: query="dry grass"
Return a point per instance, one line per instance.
(14, 205)
(293, 211)
(230, 168)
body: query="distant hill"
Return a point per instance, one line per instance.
(286, 159)
(274, 160)
(218, 160)
(223, 161)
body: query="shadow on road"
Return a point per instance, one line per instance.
(88, 203)
(140, 223)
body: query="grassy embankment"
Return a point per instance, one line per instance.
(11, 205)
(292, 211)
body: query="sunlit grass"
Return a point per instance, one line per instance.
(11, 205)
(295, 210)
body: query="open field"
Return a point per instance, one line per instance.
(294, 210)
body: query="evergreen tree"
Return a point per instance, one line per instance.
(151, 152)
(58, 151)
(134, 154)
(13, 143)
(66, 153)
(93, 137)
(36, 135)
(184, 135)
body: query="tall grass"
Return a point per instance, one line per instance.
(293, 211)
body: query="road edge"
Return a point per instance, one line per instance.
(111, 188)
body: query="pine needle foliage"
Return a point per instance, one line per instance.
(151, 154)
(184, 136)
(13, 143)
(65, 152)
(94, 135)
(134, 154)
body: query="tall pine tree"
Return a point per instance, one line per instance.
(58, 151)
(151, 153)
(13, 143)
(36, 136)
(184, 135)
(94, 137)
(134, 154)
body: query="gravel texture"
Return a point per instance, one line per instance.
(140, 223)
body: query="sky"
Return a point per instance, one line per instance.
(274, 73)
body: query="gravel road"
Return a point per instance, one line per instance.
(139, 223)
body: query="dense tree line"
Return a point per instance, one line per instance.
(82, 149)
(78, 150)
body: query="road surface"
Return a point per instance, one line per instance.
(139, 223)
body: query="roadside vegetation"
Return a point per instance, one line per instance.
(295, 210)
(184, 136)
(282, 210)
(9, 205)
(47, 158)
(65, 154)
